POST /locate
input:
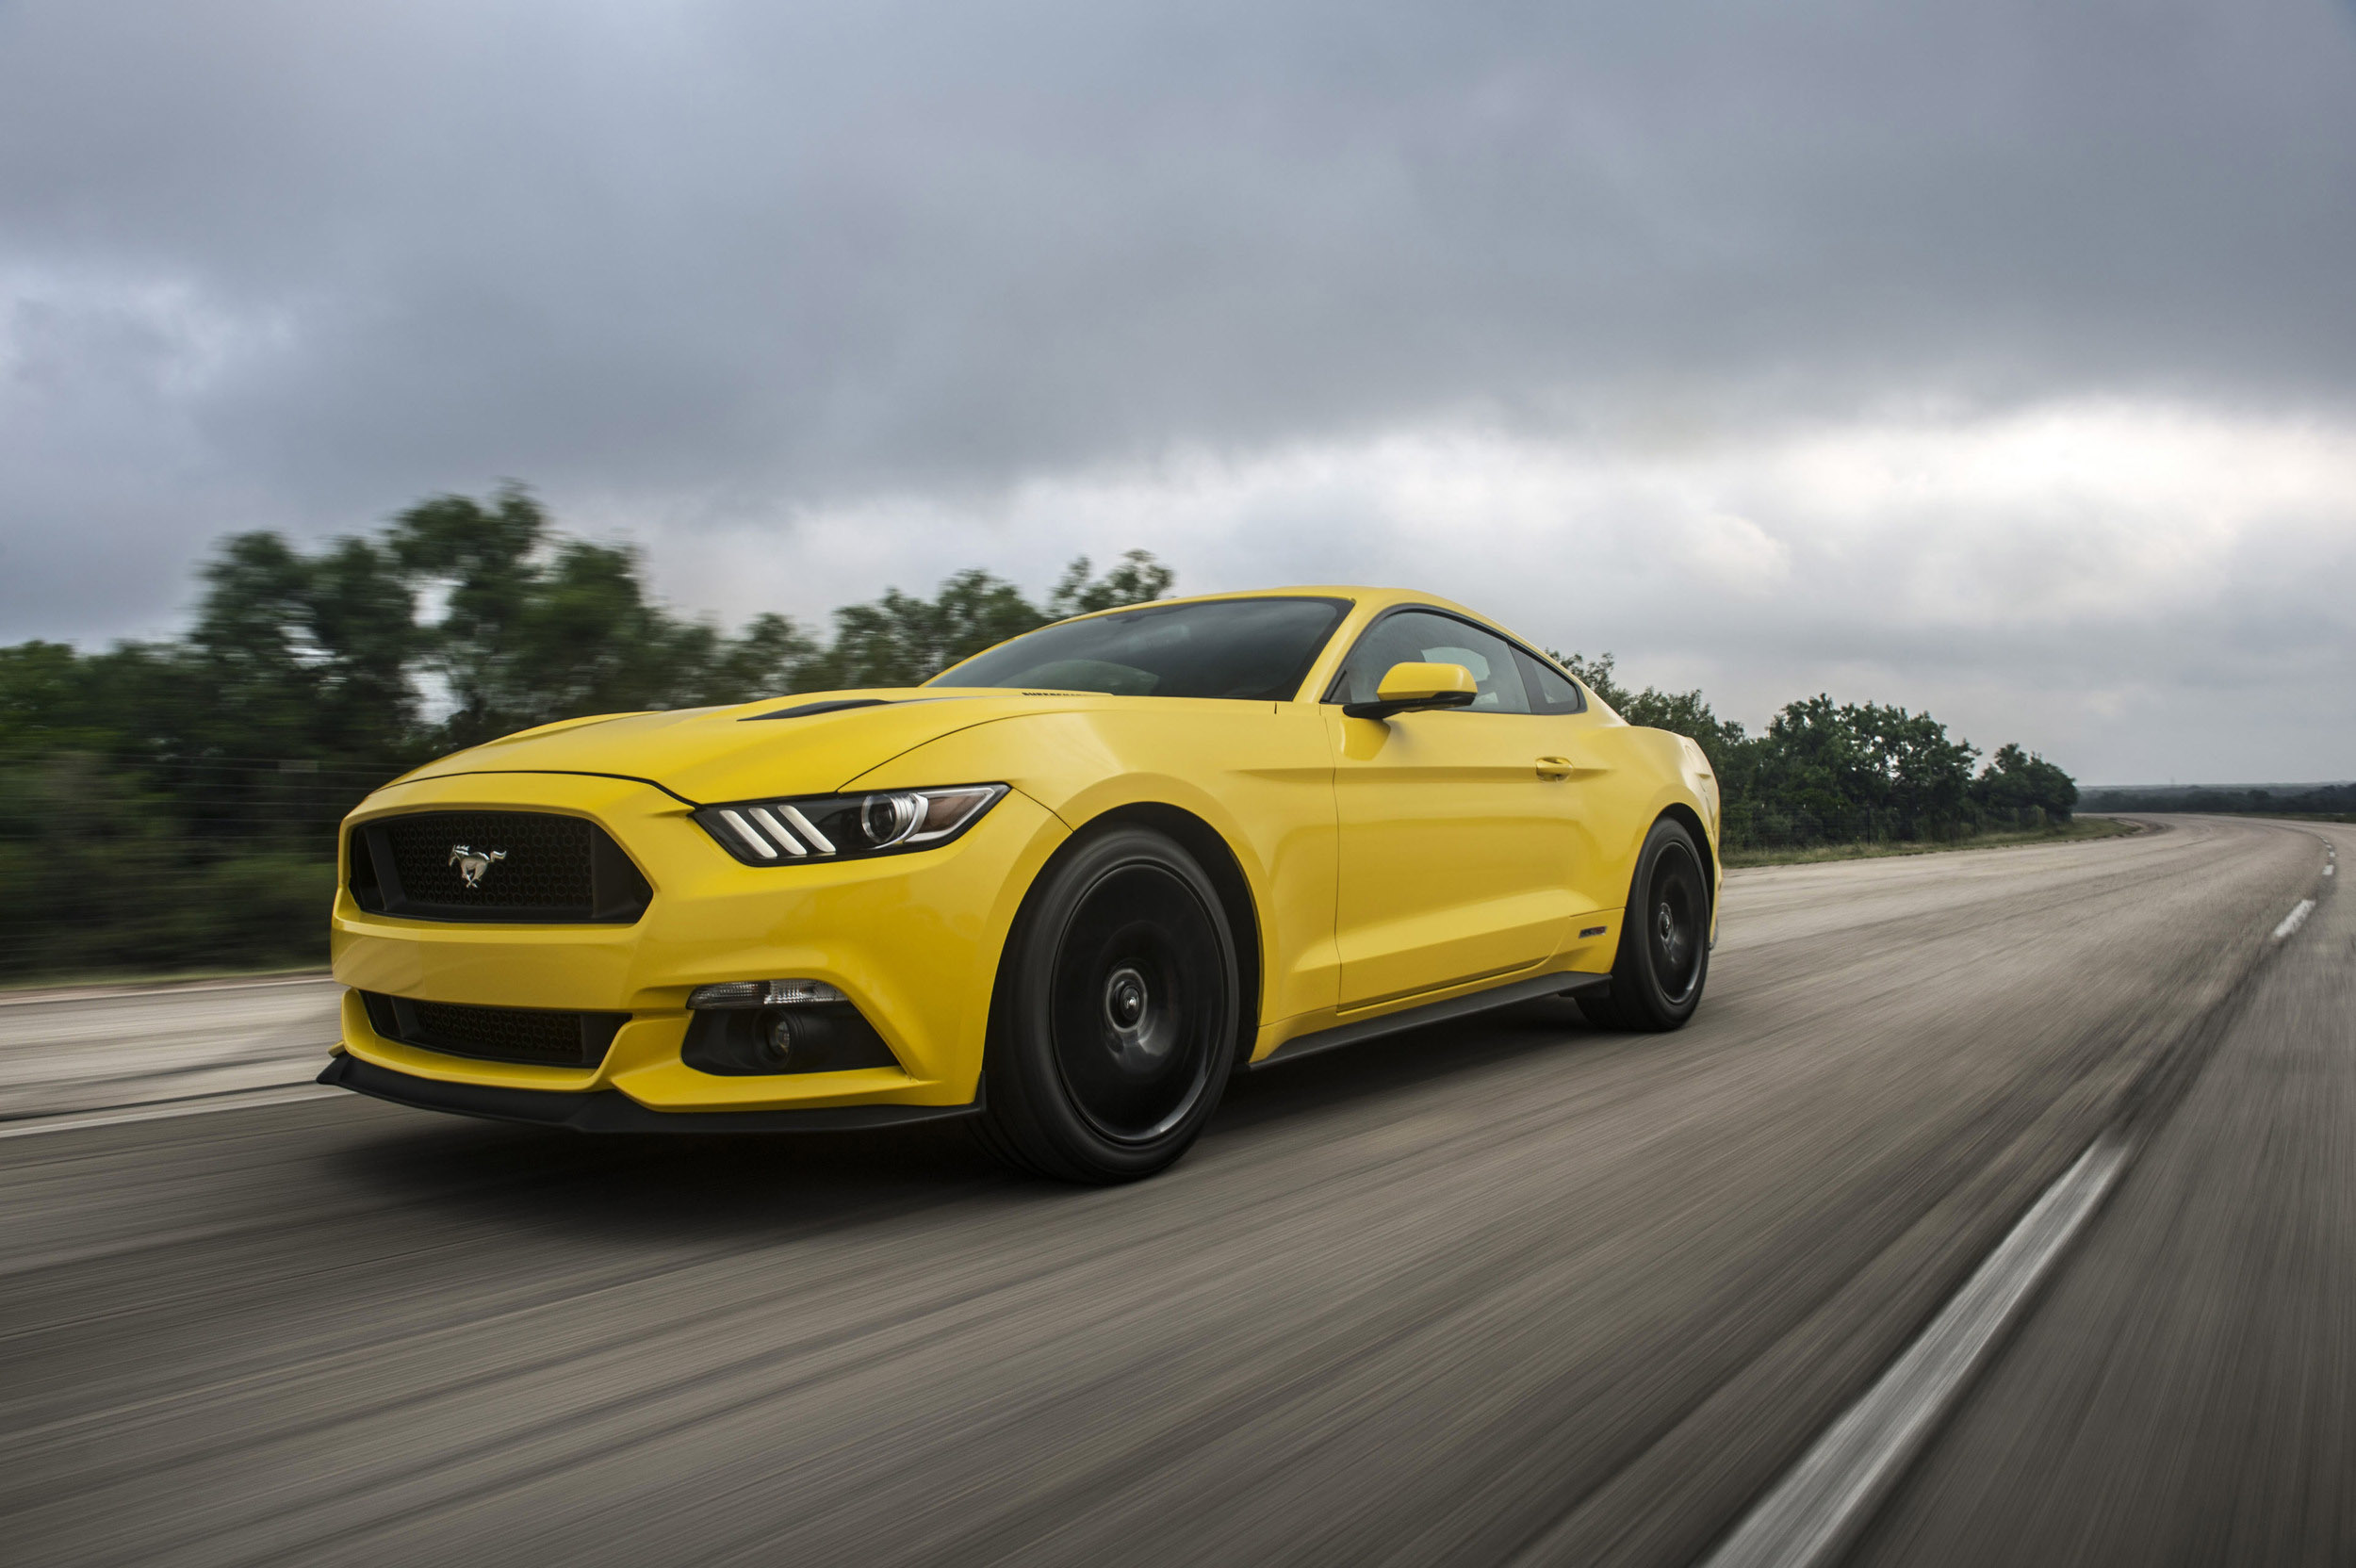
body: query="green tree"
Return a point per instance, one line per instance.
(1825, 772)
(536, 627)
(1137, 579)
(1923, 776)
(2018, 783)
(1598, 675)
(1862, 770)
(769, 657)
(46, 703)
(1812, 776)
(362, 625)
(903, 641)
(301, 655)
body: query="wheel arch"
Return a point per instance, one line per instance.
(1691, 820)
(1220, 863)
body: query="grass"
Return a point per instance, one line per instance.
(2080, 829)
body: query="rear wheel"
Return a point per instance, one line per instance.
(1664, 940)
(1115, 1027)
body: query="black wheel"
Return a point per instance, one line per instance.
(1113, 1029)
(1664, 939)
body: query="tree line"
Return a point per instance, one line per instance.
(339, 656)
(1826, 773)
(172, 804)
(2321, 800)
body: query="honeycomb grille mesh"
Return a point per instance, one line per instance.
(532, 1035)
(549, 860)
(501, 1033)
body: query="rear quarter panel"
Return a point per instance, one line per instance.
(1628, 777)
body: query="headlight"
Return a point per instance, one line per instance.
(799, 828)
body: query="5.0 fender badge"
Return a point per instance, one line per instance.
(473, 864)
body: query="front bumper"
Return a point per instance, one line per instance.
(912, 939)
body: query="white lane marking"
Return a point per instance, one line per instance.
(247, 1101)
(1806, 1519)
(2296, 919)
(2329, 868)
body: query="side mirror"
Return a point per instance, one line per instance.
(1412, 686)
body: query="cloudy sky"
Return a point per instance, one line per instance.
(1993, 356)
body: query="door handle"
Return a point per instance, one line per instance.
(1555, 768)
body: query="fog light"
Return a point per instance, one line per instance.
(809, 1035)
(763, 993)
(777, 1041)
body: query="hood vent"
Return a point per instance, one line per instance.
(808, 709)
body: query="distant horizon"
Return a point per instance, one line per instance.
(2086, 788)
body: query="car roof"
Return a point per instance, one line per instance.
(1364, 604)
(1371, 601)
(1361, 595)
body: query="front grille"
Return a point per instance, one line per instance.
(530, 866)
(542, 860)
(495, 1034)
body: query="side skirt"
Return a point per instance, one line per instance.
(1431, 1012)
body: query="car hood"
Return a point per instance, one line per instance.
(777, 746)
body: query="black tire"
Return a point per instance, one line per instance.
(1114, 1028)
(1664, 939)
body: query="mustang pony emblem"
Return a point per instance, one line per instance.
(473, 864)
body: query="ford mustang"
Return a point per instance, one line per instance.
(1064, 890)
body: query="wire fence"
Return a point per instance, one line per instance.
(216, 862)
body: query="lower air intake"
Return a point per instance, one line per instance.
(529, 1035)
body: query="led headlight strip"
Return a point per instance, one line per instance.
(800, 828)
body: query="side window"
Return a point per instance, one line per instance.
(1424, 637)
(1550, 690)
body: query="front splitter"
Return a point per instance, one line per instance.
(611, 1110)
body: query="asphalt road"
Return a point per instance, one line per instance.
(1513, 1291)
(2186, 1392)
(77, 1049)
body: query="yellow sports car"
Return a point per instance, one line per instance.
(1064, 888)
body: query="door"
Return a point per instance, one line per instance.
(1456, 834)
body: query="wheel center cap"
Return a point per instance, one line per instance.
(1125, 999)
(1141, 1040)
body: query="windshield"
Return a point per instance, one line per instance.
(1259, 649)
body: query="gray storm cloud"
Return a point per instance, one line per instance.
(745, 281)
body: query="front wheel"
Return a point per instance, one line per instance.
(1115, 1027)
(1664, 939)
